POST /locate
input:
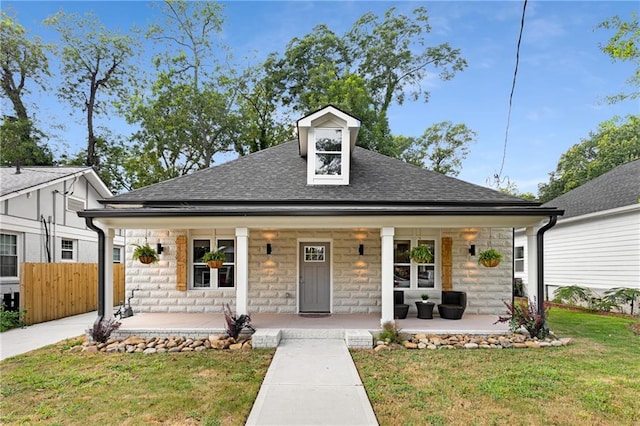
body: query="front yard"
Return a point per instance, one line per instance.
(596, 380)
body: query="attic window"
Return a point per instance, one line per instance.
(328, 151)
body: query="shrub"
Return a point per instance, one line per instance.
(526, 315)
(236, 324)
(390, 333)
(102, 329)
(622, 295)
(10, 319)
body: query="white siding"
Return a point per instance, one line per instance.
(599, 254)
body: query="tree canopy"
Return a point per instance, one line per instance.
(616, 142)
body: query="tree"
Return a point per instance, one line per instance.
(95, 65)
(187, 117)
(23, 61)
(624, 45)
(441, 148)
(262, 125)
(614, 143)
(365, 71)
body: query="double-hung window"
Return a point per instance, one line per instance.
(203, 277)
(67, 250)
(519, 259)
(328, 152)
(8, 255)
(409, 274)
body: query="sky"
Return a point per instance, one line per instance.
(562, 80)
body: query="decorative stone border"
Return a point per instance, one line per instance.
(151, 345)
(463, 341)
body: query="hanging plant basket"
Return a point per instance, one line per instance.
(215, 264)
(490, 263)
(146, 259)
(490, 258)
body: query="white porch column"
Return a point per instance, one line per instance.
(386, 235)
(532, 263)
(109, 235)
(242, 270)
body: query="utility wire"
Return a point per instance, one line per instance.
(513, 87)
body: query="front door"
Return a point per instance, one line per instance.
(315, 277)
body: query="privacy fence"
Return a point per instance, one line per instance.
(50, 291)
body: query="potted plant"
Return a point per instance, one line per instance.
(145, 254)
(421, 254)
(490, 258)
(425, 297)
(214, 259)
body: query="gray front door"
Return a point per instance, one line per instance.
(315, 277)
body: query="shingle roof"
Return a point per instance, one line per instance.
(617, 188)
(30, 177)
(278, 174)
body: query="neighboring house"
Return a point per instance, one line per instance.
(596, 244)
(315, 225)
(39, 221)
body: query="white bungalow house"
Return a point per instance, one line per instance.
(596, 244)
(314, 225)
(39, 221)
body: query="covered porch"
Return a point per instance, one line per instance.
(300, 325)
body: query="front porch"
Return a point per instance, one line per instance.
(300, 326)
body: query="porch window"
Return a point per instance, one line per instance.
(408, 274)
(519, 259)
(8, 255)
(223, 277)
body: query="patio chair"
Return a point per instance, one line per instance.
(453, 304)
(400, 309)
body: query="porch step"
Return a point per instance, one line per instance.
(266, 338)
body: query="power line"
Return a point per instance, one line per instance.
(497, 177)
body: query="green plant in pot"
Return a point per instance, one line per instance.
(489, 258)
(214, 259)
(425, 297)
(421, 254)
(145, 254)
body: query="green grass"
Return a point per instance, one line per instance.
(596, 380)
(53, 386)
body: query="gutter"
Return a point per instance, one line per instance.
(540, 255)
(101, 275)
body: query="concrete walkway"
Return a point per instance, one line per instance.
(312, 382)
(21, 340)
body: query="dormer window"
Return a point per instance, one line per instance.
(328, 151)
(327, 138)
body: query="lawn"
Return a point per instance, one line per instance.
(53, 386)
(596, 380)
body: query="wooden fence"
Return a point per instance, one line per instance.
(51, 291)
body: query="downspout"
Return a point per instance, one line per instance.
(540, 261)
(101, 279)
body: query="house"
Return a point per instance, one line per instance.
(39, 221)
(596, 244)
(314, 225)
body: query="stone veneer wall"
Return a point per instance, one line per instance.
(486, 288)
(356, 279)
(273, 279)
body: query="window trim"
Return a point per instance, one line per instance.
(214, 283)
(17, 276)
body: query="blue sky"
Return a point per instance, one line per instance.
(562, 78)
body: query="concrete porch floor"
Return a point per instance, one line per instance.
(203, 324)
